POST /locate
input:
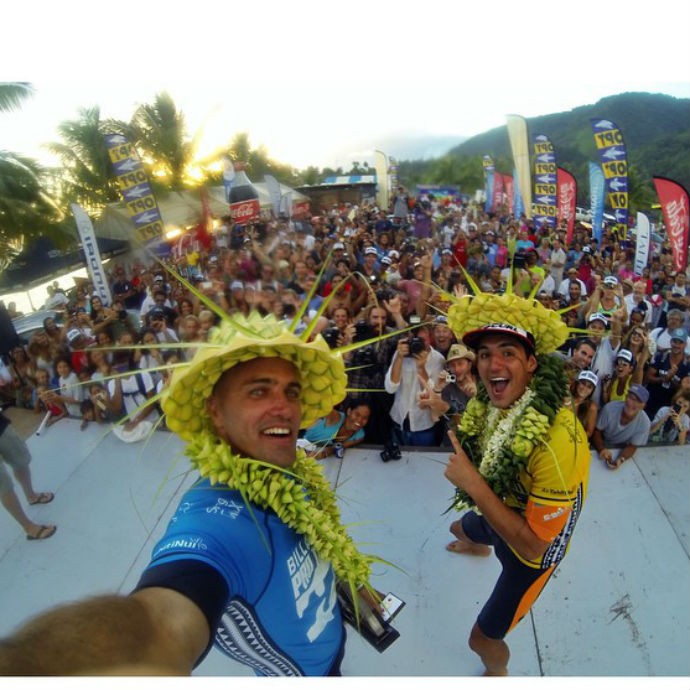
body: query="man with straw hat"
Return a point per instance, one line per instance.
(251, 558)
(520, 460)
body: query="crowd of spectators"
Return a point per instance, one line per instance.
(390, 270)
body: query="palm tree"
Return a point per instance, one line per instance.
(87, 172)
(12, 93)
(158, 130)
(25, 209)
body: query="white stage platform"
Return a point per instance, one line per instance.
(619, 604)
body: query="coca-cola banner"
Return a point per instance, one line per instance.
(135, 188)
(674, 206)
(567, 199)
(509, 191)
(545, 206)
(614, 163)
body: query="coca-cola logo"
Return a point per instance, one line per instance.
(245, 211)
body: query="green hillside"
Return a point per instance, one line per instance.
(655, 127)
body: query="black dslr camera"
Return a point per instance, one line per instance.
(391, 451)
(416, 345)
(331, 335)
(364, 356)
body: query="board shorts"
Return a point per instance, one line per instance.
(516, 589)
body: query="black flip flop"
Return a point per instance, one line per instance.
(45, 532)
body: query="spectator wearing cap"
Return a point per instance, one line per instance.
(666, 371)
(607, 299)
(150, 301)
(626, 372)
(662, 336)
(622, 423)
(158, 323)
(78, 356)
(581, 392)
(442, 337)
(369, 265)
(607, 337)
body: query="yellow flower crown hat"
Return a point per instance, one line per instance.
(239, 339)
(526, 318)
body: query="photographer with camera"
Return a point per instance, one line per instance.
(414, 363)
(671, 423)
(447, 398)
(366, 367)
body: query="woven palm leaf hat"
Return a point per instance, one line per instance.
(241, 338)
(525, 318)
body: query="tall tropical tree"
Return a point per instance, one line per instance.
(159, 131)
(25, 209)
(87, 174)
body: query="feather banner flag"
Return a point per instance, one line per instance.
(497, 202)
(674, 207)
(567, 200)
(488, 164)
(518, 204)
(597, 190)
(519, 144)
(135, 189)
(94, 265)
(614, 162)
(545, 206)
(382, 181)
(509, 192)
(642, 243)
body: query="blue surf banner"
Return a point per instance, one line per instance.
(135, 189)
(614, 163)
(597, 190)
(545, 203)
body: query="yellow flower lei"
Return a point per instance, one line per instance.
(301, 497)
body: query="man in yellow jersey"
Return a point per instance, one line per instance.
(520, 461)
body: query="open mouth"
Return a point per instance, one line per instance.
(498, 386)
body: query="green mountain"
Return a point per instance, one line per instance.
(655, 128)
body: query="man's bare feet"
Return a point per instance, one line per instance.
(463, 545)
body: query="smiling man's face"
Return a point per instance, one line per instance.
(256, 408)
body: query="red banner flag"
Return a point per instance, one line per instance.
(497, 202)
(674, 206)
(567, 199)
(508, 190)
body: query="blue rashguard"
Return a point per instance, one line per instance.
(281, 616)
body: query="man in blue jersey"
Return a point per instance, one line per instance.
(235, 566)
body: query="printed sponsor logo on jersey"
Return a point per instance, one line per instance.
(194, 544)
